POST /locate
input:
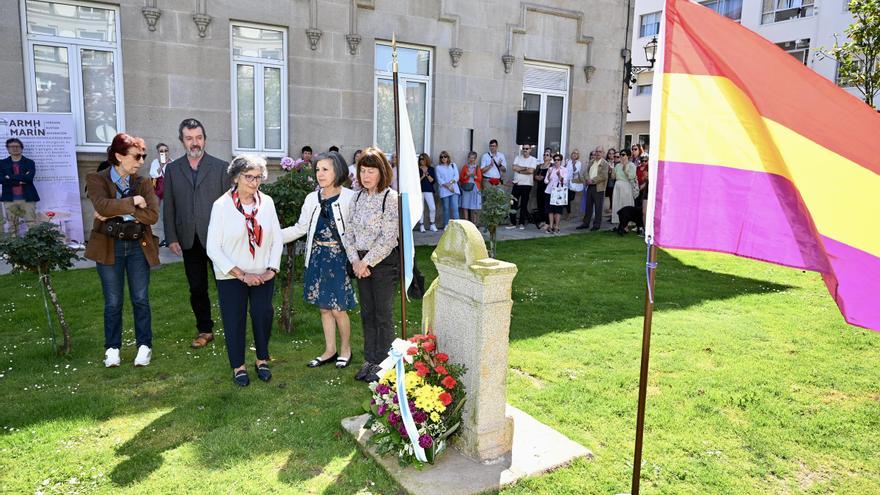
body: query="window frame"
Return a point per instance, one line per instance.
(644, 89)
(259, 64)
(812, 6)
(403, 78)
(718, 3)
(543, 93)
(74, 69)
(642, 23)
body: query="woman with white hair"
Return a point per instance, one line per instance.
(244, 244)
(327, 284)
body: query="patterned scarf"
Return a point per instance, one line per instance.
(255, 232)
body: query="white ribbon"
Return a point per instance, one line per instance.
(396, 356)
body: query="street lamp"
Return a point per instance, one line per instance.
(631, 70)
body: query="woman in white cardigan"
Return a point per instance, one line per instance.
(326, 281)
(244, 244)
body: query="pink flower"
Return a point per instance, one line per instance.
(287, 163)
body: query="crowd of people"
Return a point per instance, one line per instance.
(213, 214)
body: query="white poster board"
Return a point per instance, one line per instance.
(50, 141)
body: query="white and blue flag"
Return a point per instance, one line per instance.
(409, 187)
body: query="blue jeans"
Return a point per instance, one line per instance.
(450, 203)
(129, 257)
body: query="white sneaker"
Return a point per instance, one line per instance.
(421, 227)
(111, 358)
(143, 356)
(522, 227)
(510, 227)
(433, 228)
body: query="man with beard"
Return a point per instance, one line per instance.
(192, 183)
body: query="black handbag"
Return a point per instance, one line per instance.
(117, 228)
(124, 230)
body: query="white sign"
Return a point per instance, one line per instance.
(50, 141)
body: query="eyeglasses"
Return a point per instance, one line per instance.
(252, 178)
(139, 156)
(557, 159)
(163, 151)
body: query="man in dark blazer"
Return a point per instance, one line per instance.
(19, 196)
(192, 183)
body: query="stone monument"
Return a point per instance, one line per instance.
(468, 308)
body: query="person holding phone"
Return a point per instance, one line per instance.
(157, 176)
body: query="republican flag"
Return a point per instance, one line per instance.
(759, 156)
(410, 189)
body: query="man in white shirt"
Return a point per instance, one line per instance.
(493, 165)
(523, 177)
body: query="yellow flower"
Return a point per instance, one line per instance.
(435, 417)
(389, 378)
(411, 381)
(427, 399)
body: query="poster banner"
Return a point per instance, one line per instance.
(50, 141)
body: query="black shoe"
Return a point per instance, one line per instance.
(343, 362)
(373, 375)
(582, 226)
(241, 378)
(263, 372)
(594, 229)
(314, 363)
(362, 373)
(163, 243)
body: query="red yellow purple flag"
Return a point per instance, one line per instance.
(759, 156)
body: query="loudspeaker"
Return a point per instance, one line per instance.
(527, 127)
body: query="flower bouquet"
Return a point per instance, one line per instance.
(416, 425)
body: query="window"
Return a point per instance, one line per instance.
(74, 65)
(728, 8)
(799, 49)
(643, 89)
(414, 73)
(645, 141)
(545, 89)
(259, 89)
(650, 25)
(783, 10)
(627, 141)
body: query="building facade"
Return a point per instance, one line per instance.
(271, 76)
(800, 27)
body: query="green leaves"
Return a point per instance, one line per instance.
(289, 193)
(41, 249)
(858, 59)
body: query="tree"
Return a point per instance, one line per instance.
(496, 208)
(41, 250)
(858, 59)
(289, 193)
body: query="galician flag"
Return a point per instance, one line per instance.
(759, 156)
(409, 187)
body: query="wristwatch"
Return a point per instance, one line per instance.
(273, 270)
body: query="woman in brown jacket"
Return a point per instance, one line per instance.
(122, 243)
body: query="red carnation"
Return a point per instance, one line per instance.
(449, 382)
(442, 357)
(441, 369)
(412, 351)
(445, 398)
(431, 336)
(429, 346)
(421, 368)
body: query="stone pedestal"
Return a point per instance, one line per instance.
(472, 303)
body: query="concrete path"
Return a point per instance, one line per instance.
(422, 239)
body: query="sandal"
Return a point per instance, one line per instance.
(241, 378)
(342, 362)
(314, 363)
(263, 372)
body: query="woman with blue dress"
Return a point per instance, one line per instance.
(327, 283)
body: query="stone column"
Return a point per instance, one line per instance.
(471, 305)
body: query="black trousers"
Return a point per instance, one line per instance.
(235, 297)
(377, 307)
(541, 201)
(521, 193)
(570, 201)
(595, 202)
(197, 266)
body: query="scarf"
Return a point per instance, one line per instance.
(255, 232)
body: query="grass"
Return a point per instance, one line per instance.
(756, 386)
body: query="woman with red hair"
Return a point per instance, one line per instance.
(122, 243)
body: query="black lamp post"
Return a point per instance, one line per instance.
(631, 70)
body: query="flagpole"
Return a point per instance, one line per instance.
(643, 375)
(401, 270)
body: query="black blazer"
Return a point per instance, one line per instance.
(187, 205)
(27, 169)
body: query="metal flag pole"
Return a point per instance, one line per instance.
(401, 269)
(643, 374)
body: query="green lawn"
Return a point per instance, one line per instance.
(756, 386)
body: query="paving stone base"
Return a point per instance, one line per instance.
(537, 448)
